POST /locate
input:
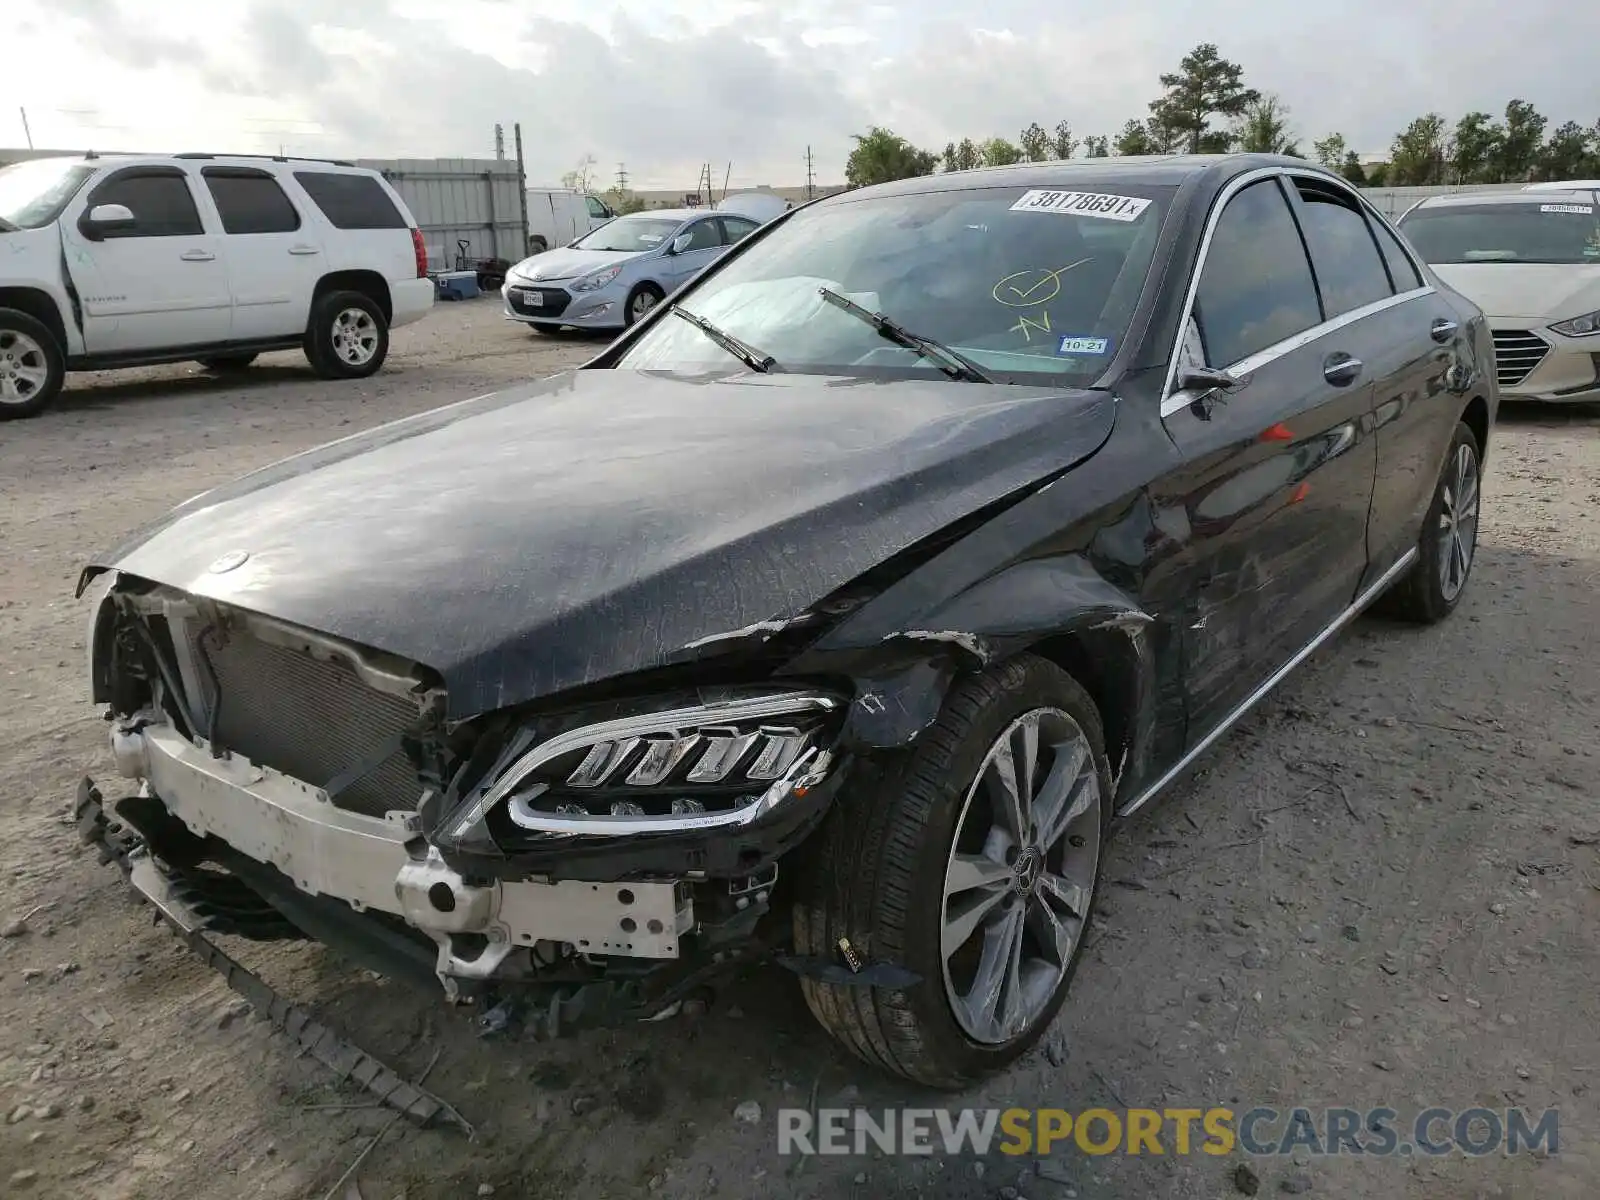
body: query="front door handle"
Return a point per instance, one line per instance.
(1341, 370)
(1444, 329)
(304, 250)
(197, 256)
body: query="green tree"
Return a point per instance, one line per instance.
(1135, 139)
(622, 203)
(997, 152)
(1035, 144)
(1330, 151)
(1352, 169)
(1475, 149)
(1377, 174)
(1062, 143)
(881, 155)
(1520, 143)
(1206, 85)
(1263, 127)
(1418, 155)
(1567, 155)
(1097, 146)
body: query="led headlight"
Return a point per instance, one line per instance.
(722, 763)
(596, 280)
(1583, 326)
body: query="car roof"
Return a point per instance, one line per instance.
(128, 158)
(1479, 199)
(1134, 170)
(675, 214)
(1564, 185)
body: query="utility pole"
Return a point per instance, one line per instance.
(499, 141)
(622, 178)
(26, 131)
(810, 178)
(522, 183)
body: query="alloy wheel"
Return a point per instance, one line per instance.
(1458, 521)
(642, 303)
(24, 367)
(355, 336)
(1020, 876)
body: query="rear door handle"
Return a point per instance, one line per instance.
(304, 250)
(197, 256)
(1444, 329)
(1341, 370)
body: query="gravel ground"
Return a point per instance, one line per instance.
(1381, 889)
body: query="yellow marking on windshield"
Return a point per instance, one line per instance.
(1024, 289)
(1028, 323)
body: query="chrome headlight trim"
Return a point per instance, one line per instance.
(627, 731)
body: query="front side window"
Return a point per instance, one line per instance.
(1349, 269)
(635, 235)
(1256, 287)
(250, 201)
(32, 194)
(1547, 230)
(161, 203)
(1027, 283)
(596, 208)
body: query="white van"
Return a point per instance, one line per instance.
(558, 216)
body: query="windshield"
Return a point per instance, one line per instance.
(1023, 282)
(1554, 231)
(636, 234)
(32, 194)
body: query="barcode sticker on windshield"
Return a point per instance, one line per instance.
(1584, 210)
(1082, 204)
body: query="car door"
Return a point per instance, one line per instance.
(157, 282)
(599, 214)
(273, 256)
(705, 244)
(1430, 371)
(1278, 472)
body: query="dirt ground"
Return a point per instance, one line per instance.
(1382, 889)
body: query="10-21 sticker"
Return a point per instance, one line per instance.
(1082, 204)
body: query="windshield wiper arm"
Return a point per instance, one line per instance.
(952, 362)
(755, 359)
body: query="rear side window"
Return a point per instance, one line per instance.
(160, 201)
(1401, 269)
(1256, 287)
(351, 201)
(703, 236)
(250, 201)
(736, 229)
(1350, 271)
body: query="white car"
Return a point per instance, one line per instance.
(126, 260)
(1531, 261)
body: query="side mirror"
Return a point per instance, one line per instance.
(103, 219)
(1207, 379)
(681, 243)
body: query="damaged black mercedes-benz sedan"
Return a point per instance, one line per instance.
(831, 616)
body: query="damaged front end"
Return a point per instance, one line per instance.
(587, 865)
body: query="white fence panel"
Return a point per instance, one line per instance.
(475, 200)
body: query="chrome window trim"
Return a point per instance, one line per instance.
(1172, 401)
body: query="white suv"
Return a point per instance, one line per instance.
(117, 261)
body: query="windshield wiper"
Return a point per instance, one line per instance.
(952, 362)
(755, 359)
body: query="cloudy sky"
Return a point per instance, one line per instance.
(664, 85)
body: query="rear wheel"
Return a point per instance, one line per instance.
(1449, 542)
(32, 367)
(348, 337)
(972, 860)
(228, 362)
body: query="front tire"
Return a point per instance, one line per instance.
(32, 366)
(1449, 542)
(640, 301)
(929, 864)
(348, 337)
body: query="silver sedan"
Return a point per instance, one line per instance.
(613, 275)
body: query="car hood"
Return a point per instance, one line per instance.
(1537, 291)
(567, 263)
(602, 522)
